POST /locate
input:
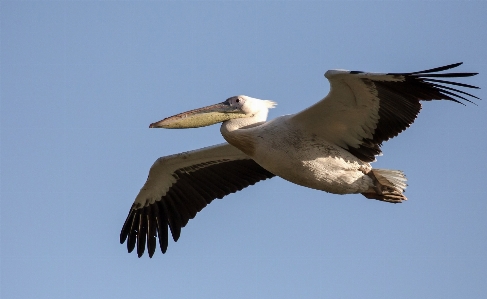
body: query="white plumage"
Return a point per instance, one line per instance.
(328, 146)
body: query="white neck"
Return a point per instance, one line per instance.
(232, 125)
(238, 131)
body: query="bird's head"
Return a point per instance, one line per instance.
(234, 107)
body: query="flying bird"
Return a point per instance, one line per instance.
(328, 146)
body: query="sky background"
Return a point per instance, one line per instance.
(81, 81)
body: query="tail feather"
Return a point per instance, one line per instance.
(389, 185)
(395, 177)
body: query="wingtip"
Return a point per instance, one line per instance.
(436, 69)
(176, 236)
(453, 65)
(122, 238)
(130, 248)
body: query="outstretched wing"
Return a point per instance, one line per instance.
(362, 110)
(179, 186)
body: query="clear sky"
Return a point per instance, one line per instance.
(82, 80)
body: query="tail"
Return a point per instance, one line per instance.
(389, 185)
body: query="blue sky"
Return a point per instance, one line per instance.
(80, 81)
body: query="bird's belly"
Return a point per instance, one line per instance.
(315, 164)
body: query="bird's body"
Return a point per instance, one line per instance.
(302, 158)
(328, 146)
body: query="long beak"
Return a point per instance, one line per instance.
(201, 117)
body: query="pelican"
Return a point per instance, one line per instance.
(328, 146)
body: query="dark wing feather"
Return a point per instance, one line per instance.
(190, 193)
(400, 103)
(437, 69)
(362, 110)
